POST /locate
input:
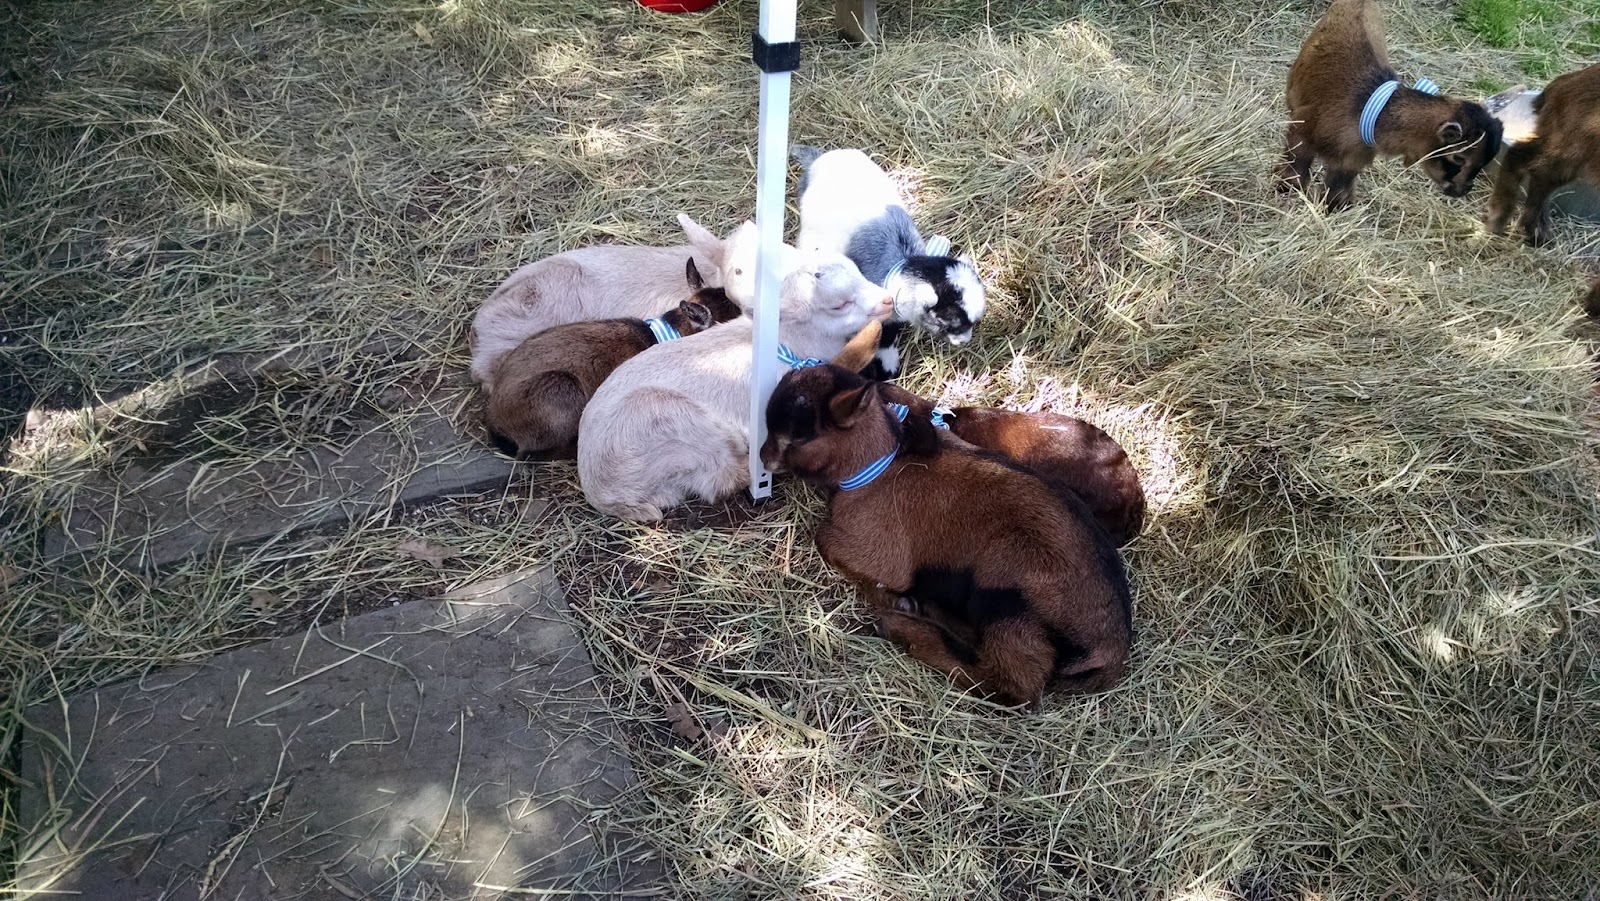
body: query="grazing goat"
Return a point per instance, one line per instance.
(543, 385)
(849, 205)
(1068, 453)
(1345, 108)
(1565, 147)
(607, 282)
(673, 422)
(971, 561)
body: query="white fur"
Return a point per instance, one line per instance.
(845, 189)
(606, 282)
(673, 422)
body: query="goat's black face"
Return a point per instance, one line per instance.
(1467, 143)
(950, 301)
(799, 416)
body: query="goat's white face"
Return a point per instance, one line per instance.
(828, 287)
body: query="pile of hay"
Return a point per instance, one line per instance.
(1366, 600)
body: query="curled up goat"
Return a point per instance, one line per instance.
(673, 422)
(607, 282)
(543, 385)
(970, 561)
(849, 205)
(1068, 453)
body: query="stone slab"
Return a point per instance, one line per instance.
(158, 514)
(451, 748)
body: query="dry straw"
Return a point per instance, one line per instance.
(1366, 599)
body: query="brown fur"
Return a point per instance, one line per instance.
(1565, 147)
(1340, 64)
(971, 562)
(1069, 453)
(542, 385)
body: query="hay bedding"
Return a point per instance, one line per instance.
(1366, 598)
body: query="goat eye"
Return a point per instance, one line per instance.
(738, 272)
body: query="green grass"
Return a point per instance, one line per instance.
(1544, 35)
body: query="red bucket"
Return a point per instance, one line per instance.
(676, 6)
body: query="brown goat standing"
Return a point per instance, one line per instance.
(972, 562)
(1068, 453)
(542, 385)
(1341, 64)
(1565, 147)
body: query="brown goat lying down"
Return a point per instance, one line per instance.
(542, 385)
(1565, 147)
(1070, 454)
(971, 561)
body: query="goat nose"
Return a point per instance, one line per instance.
(960, 339)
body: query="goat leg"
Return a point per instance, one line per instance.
(1504, 199)
(1535, 217)
(1294, 172)
(1341, 184)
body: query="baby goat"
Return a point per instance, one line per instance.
(972, 562)
(605, 282)
(1565, 147)
(849, 205)
(1346, 107)
(543, 385)
(673, 422)
(1068, 453)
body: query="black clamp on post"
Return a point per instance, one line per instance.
(771, 58)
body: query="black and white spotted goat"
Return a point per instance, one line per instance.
(849, 205)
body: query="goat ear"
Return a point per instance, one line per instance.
(698, 236)
(692, 273)
(1450, 132)
(695, 314)
(706, 246)
(847, 406)
(860, 349)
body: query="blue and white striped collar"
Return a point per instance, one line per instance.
(787, 357)
(937, 418)
(936, 246)
(1380, 99)
(662, 331)
(877, 467)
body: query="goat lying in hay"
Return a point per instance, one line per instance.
(1068, 453)
(673, 422)
(971, 561)
(609, 281)
(1346, 107)
(1565, 147)
(849, 205)
(544, 384)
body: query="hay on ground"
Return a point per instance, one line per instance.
(1366, 599)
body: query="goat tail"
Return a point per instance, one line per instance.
(804, 154)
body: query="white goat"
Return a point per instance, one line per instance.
(673, 422)
(607, 282)
(849, 205)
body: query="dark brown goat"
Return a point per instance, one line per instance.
(542, 385)
(972, 562)
(1341, 64)
(1070, 454)
(1565, 147)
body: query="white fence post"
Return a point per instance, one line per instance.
(777, 54)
